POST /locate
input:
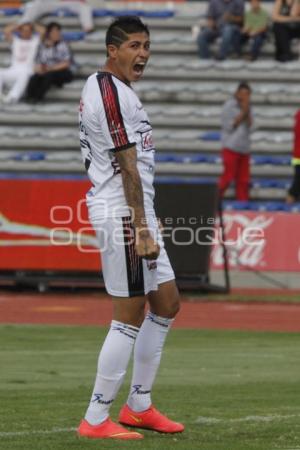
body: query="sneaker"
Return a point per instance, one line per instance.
(107, 429)
(150, 419)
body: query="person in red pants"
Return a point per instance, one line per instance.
(293, 194)
(236, 128)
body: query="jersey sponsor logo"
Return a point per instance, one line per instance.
(145, 133)
(147, 141)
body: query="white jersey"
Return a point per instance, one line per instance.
(113, 119)
(24, 52)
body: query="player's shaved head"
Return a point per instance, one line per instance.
(119, 30)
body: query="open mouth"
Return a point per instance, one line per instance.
(139, 68)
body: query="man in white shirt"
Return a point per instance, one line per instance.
(38, 8)
(24, 44)
(118, 153)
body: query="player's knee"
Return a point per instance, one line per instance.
(139, 318)
(136, 317)
(134, 320)
(130, 313)
(168, 309)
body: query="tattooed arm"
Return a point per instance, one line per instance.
(145, 245)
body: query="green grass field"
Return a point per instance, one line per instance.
(233, 390)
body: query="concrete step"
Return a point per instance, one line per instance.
(61, 163)
(214, 92)
(37, 142)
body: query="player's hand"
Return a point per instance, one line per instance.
(245, 105)
(145, 246)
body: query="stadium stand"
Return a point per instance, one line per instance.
(183, 96)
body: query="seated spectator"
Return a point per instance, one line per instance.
(24, 43)
(286, 18)
(294, 191)
(54, 64)
(255, 28)
(224, 19)
(37, 8)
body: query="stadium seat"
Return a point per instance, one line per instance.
(260, 206)
(210, 136)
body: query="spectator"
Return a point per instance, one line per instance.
(24, 43)
(286, 18)
(294, 191)
(54, 63)
(236, 125)
(38, 8)
(224, 19)
(255, 28)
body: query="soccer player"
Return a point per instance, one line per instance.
(118, 153)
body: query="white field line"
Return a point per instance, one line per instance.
(213, 420)
(35, 432)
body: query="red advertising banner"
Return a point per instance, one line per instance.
(260, 241)
(44, 225)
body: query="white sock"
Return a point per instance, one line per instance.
(147, 355)
(112, 365)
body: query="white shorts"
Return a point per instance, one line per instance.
(124, 273)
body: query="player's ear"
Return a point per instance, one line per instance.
(112, 50)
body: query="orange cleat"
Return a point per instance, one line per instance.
(106, 430)
(151, 419)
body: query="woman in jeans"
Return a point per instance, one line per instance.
(53, 65)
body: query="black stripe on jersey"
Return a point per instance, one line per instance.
(134, 264)
(112, 109)
(124, 147)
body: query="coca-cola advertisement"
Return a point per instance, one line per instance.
(259, 241)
